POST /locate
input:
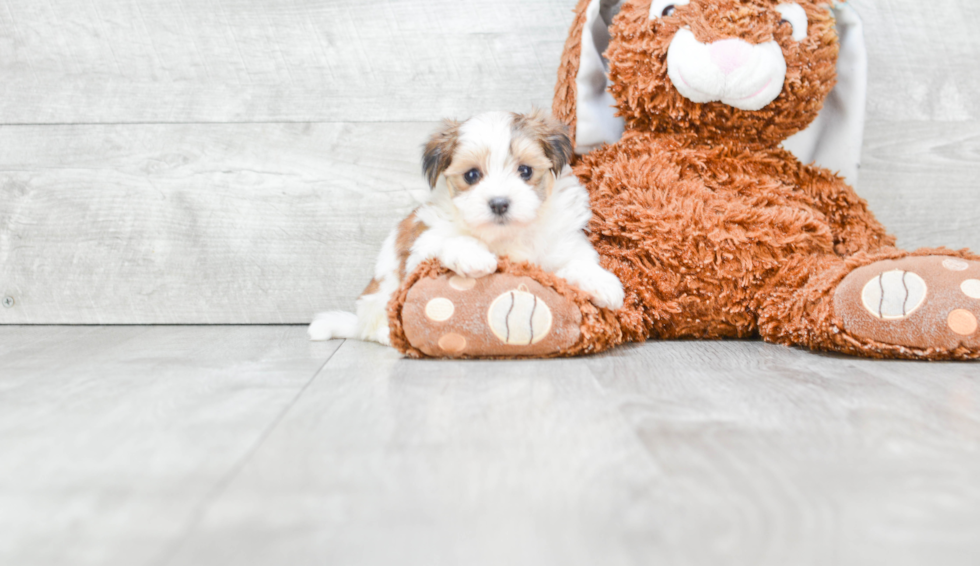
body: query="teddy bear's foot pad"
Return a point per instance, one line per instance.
(926, 302)
(499, 315)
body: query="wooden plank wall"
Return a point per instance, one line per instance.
(238, 161)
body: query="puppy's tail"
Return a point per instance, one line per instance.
(334, 324)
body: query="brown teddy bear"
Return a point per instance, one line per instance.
(715, 230)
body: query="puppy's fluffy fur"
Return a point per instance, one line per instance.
(501, 186)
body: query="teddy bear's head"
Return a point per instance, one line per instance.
(755, 70)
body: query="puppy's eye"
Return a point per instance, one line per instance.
(472, 176)
(525, 172)
(664, 8)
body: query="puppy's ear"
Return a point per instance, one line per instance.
(558, 147)
(551, 134)
(438, 153)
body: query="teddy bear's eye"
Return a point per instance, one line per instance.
(664, 8)
(794, 15)
(525, 172)
(472, 176)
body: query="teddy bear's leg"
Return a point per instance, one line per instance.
(891, 304)
(520, 311)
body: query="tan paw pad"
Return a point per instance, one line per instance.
(954, 264)
(519, 318)
(971, 288)
(452, 343)
(924, 302)
(461, 283)
(440, 309)
(894, 294)
(962, 322)
(500, 315)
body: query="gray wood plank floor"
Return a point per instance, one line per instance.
(249, 445)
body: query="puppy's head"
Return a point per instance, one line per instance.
(499, 167)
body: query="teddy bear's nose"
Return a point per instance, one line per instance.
(730, 54)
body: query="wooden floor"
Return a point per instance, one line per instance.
(250, 445)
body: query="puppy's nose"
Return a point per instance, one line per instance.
(499, 205)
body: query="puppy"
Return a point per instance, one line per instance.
(501, 186)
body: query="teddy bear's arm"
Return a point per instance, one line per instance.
(854, 227)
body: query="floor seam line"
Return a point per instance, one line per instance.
(225, 481)
(634, 433)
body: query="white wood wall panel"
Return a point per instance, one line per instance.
(922, 180)
(269, 223)
(112, 61)
(235, 161)
(198, 223)
(922, 59)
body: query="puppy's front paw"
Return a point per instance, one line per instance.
(381, 336)
(605, 289)
(470, 262)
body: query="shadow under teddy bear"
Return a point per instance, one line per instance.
(714, 229)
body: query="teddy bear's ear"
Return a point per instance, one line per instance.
(834, 138)
(581, 99)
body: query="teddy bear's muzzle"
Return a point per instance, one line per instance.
(743, 75)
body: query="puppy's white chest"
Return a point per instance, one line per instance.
(516, 251)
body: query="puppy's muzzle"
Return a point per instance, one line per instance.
(499, 206)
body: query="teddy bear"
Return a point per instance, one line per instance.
(714, 228)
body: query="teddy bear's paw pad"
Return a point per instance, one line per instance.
(919, 302)
(894, 294)
(519, 318)
(495, 316)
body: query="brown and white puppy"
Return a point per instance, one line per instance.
(501, 186)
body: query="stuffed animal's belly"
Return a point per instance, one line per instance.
(696, 251)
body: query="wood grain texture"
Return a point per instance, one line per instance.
(695, 453)
(112, 439)
(396, 461)
(217, 445)
(198, 223)
(921, 180)
(269, 223)
(108, 61)
(779, 456)
(922, 63)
